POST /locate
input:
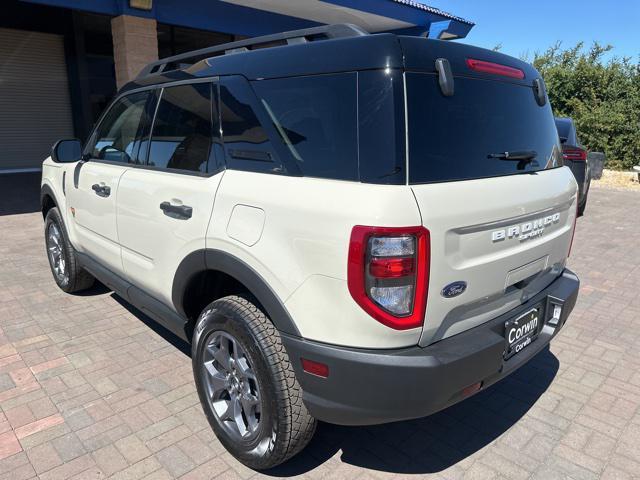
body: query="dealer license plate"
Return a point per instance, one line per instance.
(520, 332)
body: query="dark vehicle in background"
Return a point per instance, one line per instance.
(575, 157)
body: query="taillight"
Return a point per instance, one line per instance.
(388, 273)
(575, 154)
(494, 68)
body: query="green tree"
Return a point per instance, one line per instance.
(602, 97)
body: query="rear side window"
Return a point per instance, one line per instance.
(316, 118)
(466, 136)
(246, 140)
(182, 133)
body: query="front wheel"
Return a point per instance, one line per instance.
(247, 386)
(67, 272)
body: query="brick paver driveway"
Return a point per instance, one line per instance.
(90, 388)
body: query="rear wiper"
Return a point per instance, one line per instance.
(517, 156)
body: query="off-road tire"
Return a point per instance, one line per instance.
(77, 278)
(285, 426)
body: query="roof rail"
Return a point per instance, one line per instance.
(341, 30)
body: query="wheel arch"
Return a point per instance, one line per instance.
(230, 275)
(47, 199)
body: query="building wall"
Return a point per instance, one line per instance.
(135, 44)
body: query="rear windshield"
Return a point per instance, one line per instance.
(486, 129)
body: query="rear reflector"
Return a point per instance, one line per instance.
(471, 389)
(315, 368)
(494, 68)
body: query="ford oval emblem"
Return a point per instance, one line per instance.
(454, 289)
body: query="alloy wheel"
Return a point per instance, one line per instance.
(55, 249)
(232, 387)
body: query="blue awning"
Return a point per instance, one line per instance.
(260, 17)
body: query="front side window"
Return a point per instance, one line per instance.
(182, 132)
(119, 137)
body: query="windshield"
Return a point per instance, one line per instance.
(486, 129)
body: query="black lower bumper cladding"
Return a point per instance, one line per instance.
(367, 387)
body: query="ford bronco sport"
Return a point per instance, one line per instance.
(347, 227)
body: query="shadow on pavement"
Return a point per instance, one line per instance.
(431, 444)
(19, 193)
(170, 337)
(426, 445)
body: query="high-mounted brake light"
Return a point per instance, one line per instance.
(576, 154)
(494, 68)
(388, 273)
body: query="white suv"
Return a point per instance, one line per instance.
(348, 227)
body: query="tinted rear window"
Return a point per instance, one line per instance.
(564, 129)
(453, 138)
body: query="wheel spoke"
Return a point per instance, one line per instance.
(220, 353)
(217, 380)
(249, 403)
(244, 369)
(237, 415)
(227, 413)
(222, 357)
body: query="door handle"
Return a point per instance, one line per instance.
(176, 211)
(101, 190)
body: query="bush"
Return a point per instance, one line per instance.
(603, 98)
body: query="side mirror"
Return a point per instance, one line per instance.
(66, 151)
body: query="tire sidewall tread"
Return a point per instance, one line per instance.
(79, 279)
(286, 416)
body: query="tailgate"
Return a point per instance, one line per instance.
(485, 167)
(507, 238)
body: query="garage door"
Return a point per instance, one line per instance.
(35, 108)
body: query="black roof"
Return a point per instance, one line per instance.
(283, 55)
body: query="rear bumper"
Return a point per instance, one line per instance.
(368, 387)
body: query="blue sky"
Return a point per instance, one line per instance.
(523, 26)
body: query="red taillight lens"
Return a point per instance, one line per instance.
(494, 68)
(391, 267)
(575, 154)
(388, 273)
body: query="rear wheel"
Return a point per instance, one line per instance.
(247, 386)
(67, 273)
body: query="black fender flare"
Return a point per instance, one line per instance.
(218, 260)
(47, 191)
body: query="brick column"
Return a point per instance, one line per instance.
(135, 44)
